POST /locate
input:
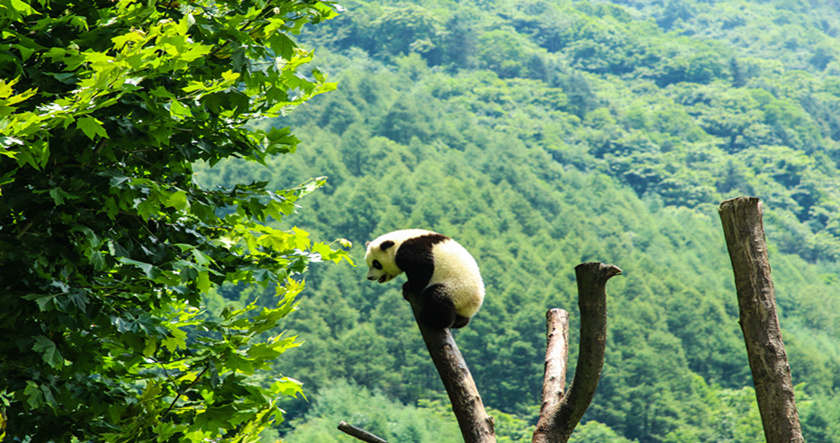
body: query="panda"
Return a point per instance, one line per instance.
(443, 279)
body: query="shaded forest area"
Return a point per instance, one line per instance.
(543, 134)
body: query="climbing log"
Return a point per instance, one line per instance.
(560, 411)
(744, 231)
(476, 426)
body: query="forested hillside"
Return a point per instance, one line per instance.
(541, 134)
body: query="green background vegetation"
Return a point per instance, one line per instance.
(542, 134)
(150, 303)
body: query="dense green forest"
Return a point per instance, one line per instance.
(544, 133)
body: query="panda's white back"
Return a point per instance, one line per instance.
(456, 269)
(400, 236)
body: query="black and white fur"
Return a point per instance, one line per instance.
(442, 277)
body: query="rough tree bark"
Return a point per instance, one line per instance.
(560, 412)
(476, 426)
(744, 232)
(556, 360)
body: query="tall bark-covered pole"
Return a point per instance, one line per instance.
(744, 231)
(476, 426)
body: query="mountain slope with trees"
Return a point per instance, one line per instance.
(543, 134)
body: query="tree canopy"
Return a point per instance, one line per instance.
(107, 243)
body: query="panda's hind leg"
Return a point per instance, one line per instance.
(436, 309)
(460, 321)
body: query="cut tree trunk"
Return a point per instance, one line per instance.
(744, 232)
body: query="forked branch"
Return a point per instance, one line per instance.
(560, 412)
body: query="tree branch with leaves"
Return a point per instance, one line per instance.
(107, 243)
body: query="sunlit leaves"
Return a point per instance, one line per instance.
(7, 94)
(111, 243)
(288, 387)
(92, 127)
(178, 340)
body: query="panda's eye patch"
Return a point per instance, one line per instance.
(377, 265)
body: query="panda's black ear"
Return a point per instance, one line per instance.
(386, 244)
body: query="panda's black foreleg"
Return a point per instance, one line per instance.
(410, 292)
(435, 308)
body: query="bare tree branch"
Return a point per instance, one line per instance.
(559, 418)
(359, 433)
(556, 357)
(476, 426)
(744, 232)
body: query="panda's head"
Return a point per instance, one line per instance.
(381, 255)
(381, 260)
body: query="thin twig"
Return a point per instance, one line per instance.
(180, 393)
(359, 433)
(23, 231)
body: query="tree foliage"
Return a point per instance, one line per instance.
(106, 242)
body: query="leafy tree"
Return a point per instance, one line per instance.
(581, 97)
(458, 43)
(674, 10)
(404, 28)
(505, 52)
(404, 120)
(107, 243)
(594, 431)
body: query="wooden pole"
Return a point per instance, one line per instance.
(476, 426)
(744, 231)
